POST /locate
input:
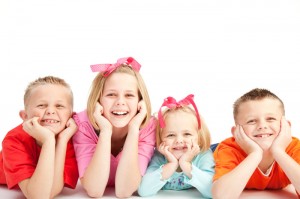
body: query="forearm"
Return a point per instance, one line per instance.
(290, 167)
(151, 183)
(40, 183)
(97, 173)
(128, 175)
(60, 157)
(232, 184)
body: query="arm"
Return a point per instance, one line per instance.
(60, 156)
(231, 184)
(290, 167)
(202, 173)
(128, 174)
(153, 181)
(97, 173)
(40, 183)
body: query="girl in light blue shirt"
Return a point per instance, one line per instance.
(182, 159)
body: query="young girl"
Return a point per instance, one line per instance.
(116, 134)
(183, 159)
(38, 156)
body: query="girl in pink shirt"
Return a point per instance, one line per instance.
(116, 133)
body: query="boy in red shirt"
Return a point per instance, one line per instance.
(262, 154)
(38, 156)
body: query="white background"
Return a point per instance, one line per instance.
(217, 50)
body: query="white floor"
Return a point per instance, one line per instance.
(287, 193)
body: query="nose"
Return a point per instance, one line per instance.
(262, 125)
(120, 100)
(50, 111)
(179, 140)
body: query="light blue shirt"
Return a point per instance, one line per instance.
(202, 173)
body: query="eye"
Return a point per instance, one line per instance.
(111, 94)
(130, 95)
(41, 105)
(170, 135)
(271, 119)
(187, 134)
(60, 106)
(251, 122)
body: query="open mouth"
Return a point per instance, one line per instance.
(263, 135)
(120, 112)
(49, 121)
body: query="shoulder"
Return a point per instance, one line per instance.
(17, 134)
(229, 147)
(149, 128)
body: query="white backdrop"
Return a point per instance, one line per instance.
(217, 50)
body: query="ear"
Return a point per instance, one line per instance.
(23, 115)
(289, 122)
(233, 129)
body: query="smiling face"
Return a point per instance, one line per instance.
(260, 120)
(52, 104)
(120, 99)
(181, 129)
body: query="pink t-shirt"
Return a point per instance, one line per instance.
(85, 141)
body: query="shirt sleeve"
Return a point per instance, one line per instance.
(85, 142)
(19, 161)
(70, 169)
(151, 181)
(202, 173)
(146, 145)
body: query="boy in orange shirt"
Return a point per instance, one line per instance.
(38, 156)
(262, 154)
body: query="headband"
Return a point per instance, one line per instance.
(107, 69)
(170, 102)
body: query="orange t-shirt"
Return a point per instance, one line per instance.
(228, 155)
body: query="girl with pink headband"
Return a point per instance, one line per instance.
(183, 158)
(116, 133)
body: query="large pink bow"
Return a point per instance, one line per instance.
(170, 102)
(107, 69)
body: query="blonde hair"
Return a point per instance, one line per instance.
(204, 138)
(44, 81)
(255, 95)
(97, 92)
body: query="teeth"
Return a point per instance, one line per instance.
(51, 121)
(119, 113)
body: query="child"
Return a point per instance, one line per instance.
(262, 154)
(183, 159)
(38, 156)
(116, 134)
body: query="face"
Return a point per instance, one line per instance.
(260, 120)
(181, 129)
(52, 104)
(120, 99)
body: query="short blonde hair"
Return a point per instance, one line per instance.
(44, 81)
(255, 95)
(97, 92)
(204, 138)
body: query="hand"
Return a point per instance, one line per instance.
(283, 138)
(163, 149)
(248, 145)
(102, 122)
(193, 150)
(38, 132)
(137, 120)
(69, 131)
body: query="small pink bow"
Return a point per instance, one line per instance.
(170, 102)
(107, 69)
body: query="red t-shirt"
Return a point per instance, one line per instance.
(228, 155)
(20, 155)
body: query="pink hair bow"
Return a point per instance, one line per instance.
(107, 69)
(170, 102)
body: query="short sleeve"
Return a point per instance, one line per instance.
(146, 145)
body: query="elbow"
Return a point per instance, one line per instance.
(94, 194)
(123, 193)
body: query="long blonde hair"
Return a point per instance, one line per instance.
(97, 92)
